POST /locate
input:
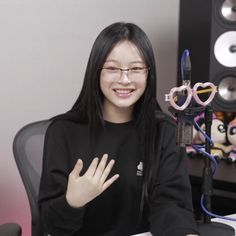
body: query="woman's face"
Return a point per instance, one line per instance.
(122, 89)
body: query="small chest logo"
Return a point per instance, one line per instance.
(140, 169)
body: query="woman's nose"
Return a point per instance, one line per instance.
(124, 77)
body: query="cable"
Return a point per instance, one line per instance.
(212, 214)
(200, 148)
(204, 134)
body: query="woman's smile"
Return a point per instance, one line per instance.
(123, 93)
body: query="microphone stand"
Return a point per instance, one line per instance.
(185, 120)
(208, 228)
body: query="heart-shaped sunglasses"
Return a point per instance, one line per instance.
(190, 93)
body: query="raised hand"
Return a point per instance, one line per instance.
(83, 189)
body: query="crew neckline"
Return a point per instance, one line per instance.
(126, 123)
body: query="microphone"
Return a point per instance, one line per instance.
(185, 117)
(187, 71)
(186, 78)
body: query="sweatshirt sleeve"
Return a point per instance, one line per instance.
(171, 199)
(57, 217)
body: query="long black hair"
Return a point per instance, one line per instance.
(88, 106)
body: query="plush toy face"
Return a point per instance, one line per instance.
(231, 132)
(218, 132)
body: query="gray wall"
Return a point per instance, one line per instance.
(44, 47)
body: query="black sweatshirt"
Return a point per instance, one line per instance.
(116, 211)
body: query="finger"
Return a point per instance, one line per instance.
(75, 173)
(109, 182)
(107, 171)
(92, 168)
(101, 167)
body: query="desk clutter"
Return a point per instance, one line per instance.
(223, 136)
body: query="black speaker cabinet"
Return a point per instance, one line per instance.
(208, 29)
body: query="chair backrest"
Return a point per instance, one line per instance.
(28, 153)
(10, 229)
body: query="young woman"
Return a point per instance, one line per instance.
(111, 165)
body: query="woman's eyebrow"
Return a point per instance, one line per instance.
(131, 62)
(111, 60)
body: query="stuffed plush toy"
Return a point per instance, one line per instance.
(231, 135)
(218, 136)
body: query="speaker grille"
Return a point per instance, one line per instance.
(225, 49)
(227, 89)
(228, 10)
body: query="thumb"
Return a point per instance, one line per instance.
(77, 169)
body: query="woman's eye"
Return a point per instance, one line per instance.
(136, 68)
(112, 68)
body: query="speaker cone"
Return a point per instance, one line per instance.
(225, 49)
(228, 10)
(227, 89)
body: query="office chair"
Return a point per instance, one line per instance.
(28, 153)
(10, 229)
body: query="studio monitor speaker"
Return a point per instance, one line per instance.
(208, 29)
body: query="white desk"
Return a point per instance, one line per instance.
(143, 234)
(228, 222)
